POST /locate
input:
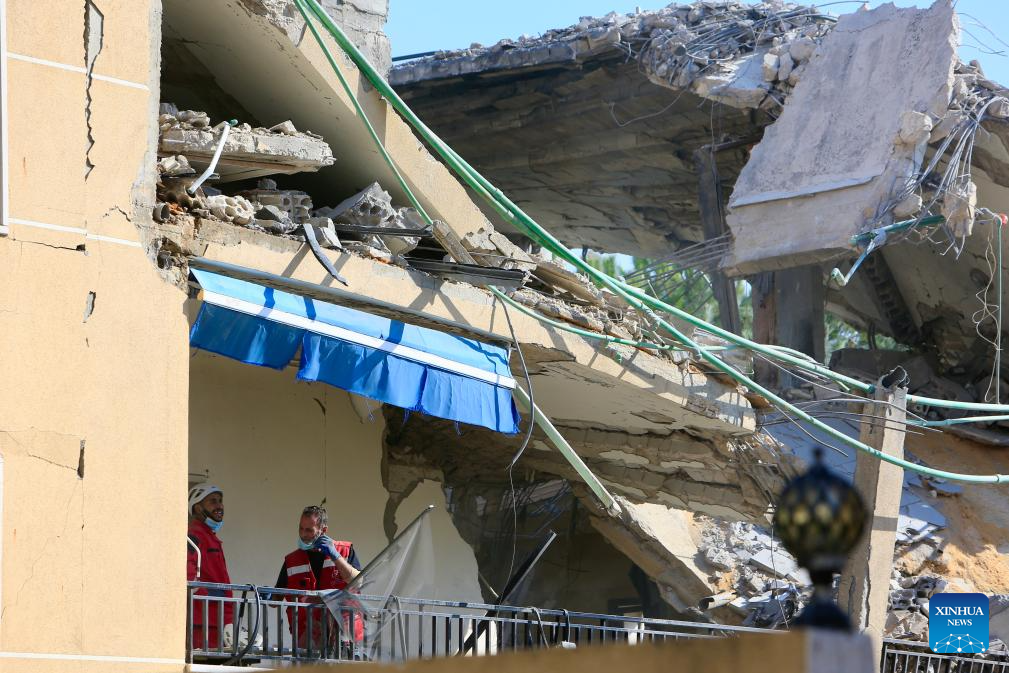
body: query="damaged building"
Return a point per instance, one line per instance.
(839, 165)
(232, 262)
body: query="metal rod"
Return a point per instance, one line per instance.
(341, 296)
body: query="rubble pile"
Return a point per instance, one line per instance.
(373, 207)
(248, 151)
(768, 586)
(170, 117)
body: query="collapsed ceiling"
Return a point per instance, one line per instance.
(818, 135)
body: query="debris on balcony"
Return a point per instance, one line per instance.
(371, 210)
(248, 152)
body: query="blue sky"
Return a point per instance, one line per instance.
(426, 25)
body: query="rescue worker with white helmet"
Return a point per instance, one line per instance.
(206, 563)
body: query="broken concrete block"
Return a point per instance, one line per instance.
(175, 165)
(909, 207)
(901, 599)
(958, 207)
(946, 125)
(774, 562)
(373, 207)
(785, 65)
(326, 233)
(770, 67)
(739, 83)
(801, 49)
(720, 559)
(915, 128)
(796, 75)
(275, 219)
(231, 209)
(285, 127)
(194, 118)
(297, 204)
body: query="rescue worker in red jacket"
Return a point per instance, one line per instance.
(319, 563)
(206, 511)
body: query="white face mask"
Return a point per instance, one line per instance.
(305, 546)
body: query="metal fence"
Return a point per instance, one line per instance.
(902, 656)
(388, 629)
(373, 628)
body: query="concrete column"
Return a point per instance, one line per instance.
(799, 296)
(865, 583)
(713, 222)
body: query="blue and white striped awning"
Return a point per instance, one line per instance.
(412, 367)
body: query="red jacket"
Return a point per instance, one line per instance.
(212, 568)
(300, 576)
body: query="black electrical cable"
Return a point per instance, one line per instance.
(526, 439)
(237, 659)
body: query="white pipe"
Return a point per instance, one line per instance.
(567, 451)
(199, 556)
(213, 162)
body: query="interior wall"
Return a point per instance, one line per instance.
(582, 573)
(275, 445)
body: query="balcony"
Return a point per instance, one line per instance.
(393, 629)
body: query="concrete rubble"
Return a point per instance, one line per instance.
(248, 152)
(730, 52)
(373, 208)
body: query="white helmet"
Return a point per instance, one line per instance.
(200, 491)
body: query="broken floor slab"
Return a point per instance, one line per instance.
(590, 128)
(792, 208)
(248, 152)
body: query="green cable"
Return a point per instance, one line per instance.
(427, 218)
(998, 344)
(865, 238)
(958, 421)
(517, 217)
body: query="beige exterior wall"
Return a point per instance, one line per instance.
(91, 571)
(275, 444)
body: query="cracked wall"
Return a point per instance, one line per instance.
(94, 363)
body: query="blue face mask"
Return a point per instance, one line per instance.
(213, 525)
(305, 546)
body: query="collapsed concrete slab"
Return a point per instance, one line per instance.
(591, 128)
(852, 116)
(248, 152)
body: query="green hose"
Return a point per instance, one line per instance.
(635, 297)
(958, 421)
